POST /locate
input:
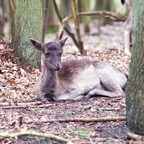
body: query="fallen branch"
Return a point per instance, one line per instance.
(21, 103)
(34, 133)
(103, 119)
(133, 136)
(26, 106)
(38, 104)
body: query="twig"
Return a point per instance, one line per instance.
(103, 119)
(34, 133)
(26, 106)
(62, 27)
(38, 104)
(58, 36)
(21, 103)
(133, 136)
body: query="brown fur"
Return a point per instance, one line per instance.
(71, 68)
(73, 80)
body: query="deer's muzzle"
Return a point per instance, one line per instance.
(57, 67)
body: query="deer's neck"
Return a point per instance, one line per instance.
(49, 80)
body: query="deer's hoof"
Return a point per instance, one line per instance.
(88, 96)
(127, 53)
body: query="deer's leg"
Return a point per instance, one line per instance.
(110, 86)
(103, 93)
(44, 97)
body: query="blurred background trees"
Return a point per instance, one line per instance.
(7, 10)
(20, 25)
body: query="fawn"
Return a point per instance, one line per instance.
(75, 79)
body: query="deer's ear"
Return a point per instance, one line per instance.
(36, 44)
(62, 41)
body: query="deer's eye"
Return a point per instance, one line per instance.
(60, 54)
(47, 55)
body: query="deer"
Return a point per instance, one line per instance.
(75, 79)
(128, 27)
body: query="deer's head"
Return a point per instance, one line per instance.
(51, 52)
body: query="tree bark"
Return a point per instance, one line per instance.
(27, 23)
(135, 86)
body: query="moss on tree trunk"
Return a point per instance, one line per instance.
(27, 24)
(135, 86)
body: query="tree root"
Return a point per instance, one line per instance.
(34, 133)
(135, 137)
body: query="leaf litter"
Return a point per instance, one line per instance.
(20, 109)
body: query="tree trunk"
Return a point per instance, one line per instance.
(27, 24)
(45, 17)
(1, 20)
(135, 86)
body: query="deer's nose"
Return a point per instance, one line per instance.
(57, 66)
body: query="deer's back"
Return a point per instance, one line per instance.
(80, 77)
(72, 68)
(76, 78)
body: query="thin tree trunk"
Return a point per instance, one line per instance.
(1, 20)
(11, 14)
(27, 24)
(86, 20)
(77, 27)
(135, 86)
(45, 17)
(51, 20)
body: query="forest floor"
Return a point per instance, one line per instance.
(22, 111)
